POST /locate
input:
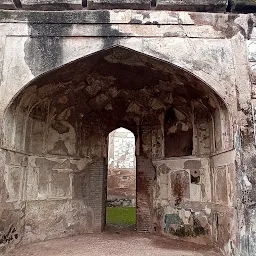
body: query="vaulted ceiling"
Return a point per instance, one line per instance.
(114, 86)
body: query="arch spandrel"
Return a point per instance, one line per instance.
(69, 56)
(58, 81)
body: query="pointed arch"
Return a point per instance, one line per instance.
(60, 120)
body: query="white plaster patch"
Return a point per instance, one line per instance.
(195, 192)
(16, 73)
(13, 177)
(207, 210)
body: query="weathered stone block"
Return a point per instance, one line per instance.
(61, 184)
(13, 180)
(11, 227)
(192, 5)
(16, 159)
(51, 4)
(119, 4)
(7, 4)
(81, 183)
(195, 192)
(180, 186)
(183, 224)
(32, 183)
(2, 168)
(57, 218)
(221, 188)
(192, 164)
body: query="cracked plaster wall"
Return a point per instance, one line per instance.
(160, 116)
(194, 199)
(44, 197)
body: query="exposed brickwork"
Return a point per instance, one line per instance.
(145, 178)
(97, 198)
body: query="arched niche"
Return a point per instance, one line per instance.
(172, 81)
(60, 122)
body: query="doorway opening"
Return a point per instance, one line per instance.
(121, 180)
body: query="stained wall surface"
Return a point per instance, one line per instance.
(180, 81)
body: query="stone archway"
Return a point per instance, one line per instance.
(54, 149)
(121, 180)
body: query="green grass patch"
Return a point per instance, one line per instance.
(121, 215)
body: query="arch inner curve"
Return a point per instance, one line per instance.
(61, 121)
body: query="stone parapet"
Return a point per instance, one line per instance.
(238, 6)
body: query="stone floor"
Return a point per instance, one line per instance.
(113, 243)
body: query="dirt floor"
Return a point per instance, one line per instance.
(113, 242)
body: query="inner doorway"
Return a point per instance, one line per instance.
(121, 180)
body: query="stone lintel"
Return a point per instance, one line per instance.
(98, 17)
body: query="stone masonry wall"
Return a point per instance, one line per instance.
(52, 197)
